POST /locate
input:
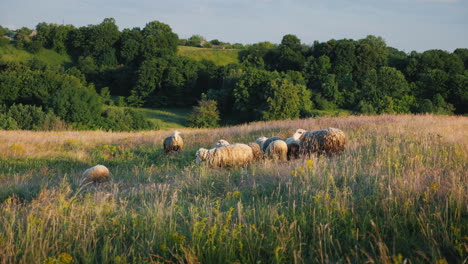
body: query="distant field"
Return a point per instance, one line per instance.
(217, 56)
(397, 194)
(167, 118)
(10, 53)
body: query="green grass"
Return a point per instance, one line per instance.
(166, 118)
(397, 194)
(50, 57)
(217, 56)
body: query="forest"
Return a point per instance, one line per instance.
(141, 68)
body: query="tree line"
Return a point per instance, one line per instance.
(141, 68)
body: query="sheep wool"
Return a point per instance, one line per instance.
(221, 143)
(260, 141)
(268, 141)
(293, 148)
(257, 152)
(173, 143)
(324, 141)
(98, 173)
(232, 155)
(277, 150)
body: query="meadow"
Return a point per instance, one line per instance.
(397, 194)
(219, 57)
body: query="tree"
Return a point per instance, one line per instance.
(157, 37)
(206, 114)
(195, 41)
(290, 54)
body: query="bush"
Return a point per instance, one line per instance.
(206, 114)
(118, 119)
(7, 123)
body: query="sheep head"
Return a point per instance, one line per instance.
(201, 155)
(298, 134)
(221, 143)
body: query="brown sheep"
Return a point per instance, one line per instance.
(173, 143)
(257, 152)
(277, 150)
(324, 141)
(232, 155)
(294, 144)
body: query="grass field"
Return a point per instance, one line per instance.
(167, 118)
(217, 56)
(397, 194)
(50, 57)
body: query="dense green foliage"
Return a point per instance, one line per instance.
(141, 67)
(205, 114)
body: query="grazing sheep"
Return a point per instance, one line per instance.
(260, 142)
(324, 141)
(257, 152)
(277, 150)
(293, 148)
(173, 143)
(294, 144)
(98, 173)
(222, 143)
(232, 155)
(268, 141)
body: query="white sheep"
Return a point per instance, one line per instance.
(277, 150)
(325, 141)
(268, 142)
(98, 173)
(232, 155)
(221, 143)
(173, 143)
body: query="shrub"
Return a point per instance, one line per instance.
(206, 114)
(7, 123)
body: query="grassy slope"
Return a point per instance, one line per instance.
(397, 192)
(167, 118)
(10, 53)
(217, 56)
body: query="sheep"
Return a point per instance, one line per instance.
(232, 155)
(257, 152)
(293, 148)
(260, 142)
(294, 144)
(98, 173)
(173, 143)
(325, 141)
(268, 141)
(277, 150)
(221, 143)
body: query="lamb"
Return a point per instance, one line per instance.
(98, 173)
(277, 150)
(222, 143)
(266, 141)
(173, 143)
(257, 152)
(232, 155)
(325, 141)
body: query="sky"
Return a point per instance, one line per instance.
(404, 24)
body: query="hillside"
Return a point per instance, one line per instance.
(217, 56)
(397, 194)
(50, 57)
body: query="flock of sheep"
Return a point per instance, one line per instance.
(223, 154)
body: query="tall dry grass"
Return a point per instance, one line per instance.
(397, 194)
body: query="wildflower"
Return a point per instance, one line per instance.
(293, 173)
(310, 164)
